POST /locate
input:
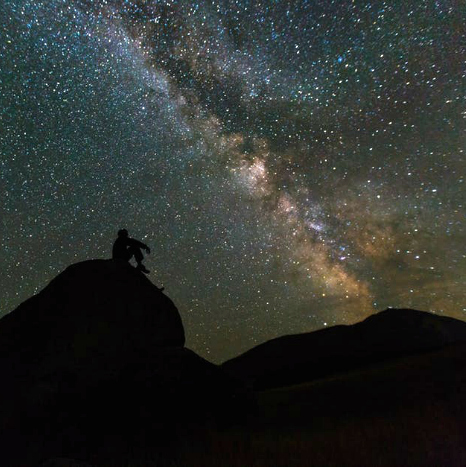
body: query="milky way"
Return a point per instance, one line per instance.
(292, 165)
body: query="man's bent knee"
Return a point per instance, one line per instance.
(136, 252)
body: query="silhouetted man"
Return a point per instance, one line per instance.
(125, 248)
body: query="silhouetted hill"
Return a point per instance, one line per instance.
(305, 357)
(94, 363)
(95, 372)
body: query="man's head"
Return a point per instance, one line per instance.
(122, 233)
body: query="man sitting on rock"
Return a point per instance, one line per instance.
(125, 248)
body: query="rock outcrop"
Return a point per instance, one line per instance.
(94, 306)
(95, 364)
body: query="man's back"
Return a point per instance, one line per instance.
(120, 247)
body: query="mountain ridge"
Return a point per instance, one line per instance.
(297, 358)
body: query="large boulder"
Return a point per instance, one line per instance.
(94, 312)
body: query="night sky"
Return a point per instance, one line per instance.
(292, 165)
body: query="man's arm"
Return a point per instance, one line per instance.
(137, 243)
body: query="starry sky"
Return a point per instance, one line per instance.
(292, 165)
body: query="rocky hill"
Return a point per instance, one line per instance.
(96, 361)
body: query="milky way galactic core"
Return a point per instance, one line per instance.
(292, 165)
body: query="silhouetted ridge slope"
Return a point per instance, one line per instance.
(304, 357)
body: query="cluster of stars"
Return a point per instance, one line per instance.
(292, 166)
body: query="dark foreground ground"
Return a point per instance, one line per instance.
(405, 412)
(95, 373)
